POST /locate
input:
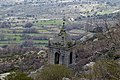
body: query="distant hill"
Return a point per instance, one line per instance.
(58, 8)
(52, 1)
(112, 1)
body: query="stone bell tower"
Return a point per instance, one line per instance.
(61, 48)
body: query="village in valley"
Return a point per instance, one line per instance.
(79, 34)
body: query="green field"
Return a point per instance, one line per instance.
(14, 36)
(50, 22)
(104, 12)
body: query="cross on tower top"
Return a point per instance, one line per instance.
(63, 27)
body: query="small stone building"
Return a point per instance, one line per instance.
(61, 49)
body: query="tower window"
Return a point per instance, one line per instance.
(63, 59)
(57, 56)
(70, 58)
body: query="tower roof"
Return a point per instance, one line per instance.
(62, 39)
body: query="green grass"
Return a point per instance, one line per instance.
(50, 22)
(38, 27)
(43, 30)
(36, 34)
(41, 45)
(41, 41)
(11, 42)
(14, 34)
(104, 12)
(2, 43)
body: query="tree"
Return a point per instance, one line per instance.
(18, 76)
(28, 25)
(26, 36)
(104, 70)
(5, 25)
(2, 36)
(54, 72)
(30, 30)
(107, 70)
(28, 43)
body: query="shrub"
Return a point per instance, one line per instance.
(107, 69)
(104, 70)
(54, 72)
(18, 76)
(27, 43)
(28, 25)
(30, 30)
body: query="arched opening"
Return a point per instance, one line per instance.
(63, 57)
(71, 57)
(57, 56)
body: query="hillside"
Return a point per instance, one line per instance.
(47, 20)
(57, 10)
